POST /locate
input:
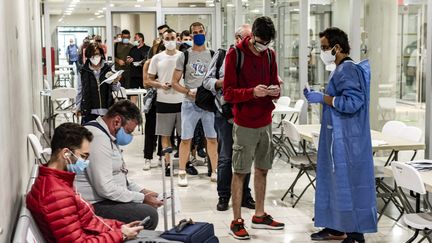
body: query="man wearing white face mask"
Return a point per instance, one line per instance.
(105, 183)
(58, 209)
(345, 200)
(251, 89)
(95, 97)
(168, 101)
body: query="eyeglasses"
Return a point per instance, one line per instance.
(326, 48)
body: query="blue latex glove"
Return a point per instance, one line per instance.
(315, 97)
(305, 91)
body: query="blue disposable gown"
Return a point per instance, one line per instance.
(345, 190)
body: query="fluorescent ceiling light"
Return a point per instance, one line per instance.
(140, 1)
(97, 13)
(192, 5)
(75, 1)
(68, 13)
(70, 9)
(100, 11)
(230, 5)
(112, 5)
(211, 5)
(100, 16)
(137, 6)
(255, 11)
(209, 1)
(103, 8)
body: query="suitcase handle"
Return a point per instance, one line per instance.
(182, 224)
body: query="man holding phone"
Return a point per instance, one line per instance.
(252, 91)
(168, 101)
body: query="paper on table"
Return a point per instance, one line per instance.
(376, 142)
(113, 77)
(421, 165)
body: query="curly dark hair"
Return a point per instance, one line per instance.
(127, 110)
(335, 36)
(69, 135)
(264, 28)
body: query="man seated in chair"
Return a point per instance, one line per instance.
(105, 183)
(57, 207)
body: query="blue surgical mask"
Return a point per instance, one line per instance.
(79, 166)
(199, 39)
(189, 43)
(125, 41)
(136, 43)
(123, 138)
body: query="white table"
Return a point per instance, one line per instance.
(390, 143)
(140, 93)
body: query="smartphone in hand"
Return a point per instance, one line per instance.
(144, 221)
(272, 87)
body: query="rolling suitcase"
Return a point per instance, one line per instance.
(192, 232)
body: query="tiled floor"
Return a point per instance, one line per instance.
(198, 201)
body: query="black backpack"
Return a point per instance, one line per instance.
(205, 98)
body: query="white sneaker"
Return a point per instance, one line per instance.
(213, 177)
(154, 164)
(182, 179)
(147, 164)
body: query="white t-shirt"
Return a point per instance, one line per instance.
(163, 66)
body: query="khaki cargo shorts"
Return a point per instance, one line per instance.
(252, 145)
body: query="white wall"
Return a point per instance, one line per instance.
(21, 82)
(143, 22)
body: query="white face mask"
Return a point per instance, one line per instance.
(119, 39)
(170, 45)
(95, 60)
(327, 57)
(260, 47)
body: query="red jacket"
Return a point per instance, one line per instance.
(249, 111)
(61, 214)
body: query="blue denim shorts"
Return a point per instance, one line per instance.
(190, 115)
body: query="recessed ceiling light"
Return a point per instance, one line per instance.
(112, 5)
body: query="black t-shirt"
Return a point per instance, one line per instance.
(138, 54)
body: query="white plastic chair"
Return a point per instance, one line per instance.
(284, 100)
(38, 150)
(409, 178)
(301, 160)
(413, 134)
(393, 128)
(386, 105)
(40, 128)
(63, 102)
(297, 109)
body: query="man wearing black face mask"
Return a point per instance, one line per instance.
(105, 183)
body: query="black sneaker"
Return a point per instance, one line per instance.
(325, 235)
(167, 170)
(248, 203)
(190, 169)
(202, 153)
(222, 204)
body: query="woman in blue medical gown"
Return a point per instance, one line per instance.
(345, 200)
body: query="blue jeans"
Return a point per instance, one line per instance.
(225, 142)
